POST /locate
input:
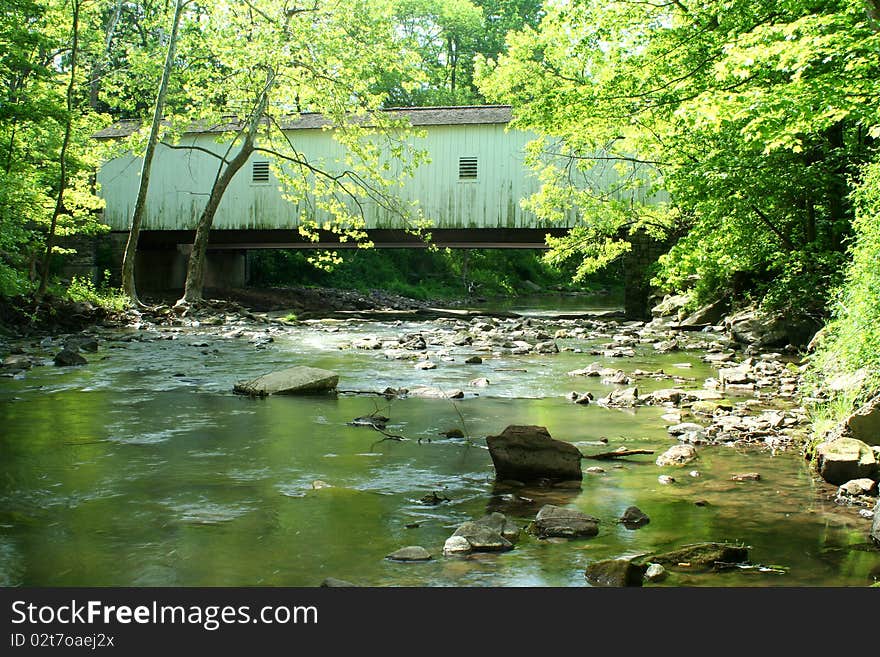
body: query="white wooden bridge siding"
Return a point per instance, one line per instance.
(181, 179)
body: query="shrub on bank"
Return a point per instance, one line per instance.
(845, 367)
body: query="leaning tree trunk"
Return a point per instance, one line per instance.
(195, 274)
(65, 145)
(128, 259)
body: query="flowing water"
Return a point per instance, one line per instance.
(143, 469)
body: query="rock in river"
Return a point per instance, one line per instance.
(411, 553)
(492, 533)
(655, 573)
(333, 583)
(66, 357)
(615, 572)
(634, 517)
(292, 381)
(701, 556)
(875, 527)
(527, 453)
(564, 523)
(746, 476)
(855, 487)
(843, 459)
(677, 455)
(427, 392)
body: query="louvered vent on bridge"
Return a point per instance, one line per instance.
(260, 172)
(467, 168)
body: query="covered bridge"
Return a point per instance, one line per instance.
(470, 190)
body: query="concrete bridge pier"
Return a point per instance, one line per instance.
(638, 271)
(165, 269)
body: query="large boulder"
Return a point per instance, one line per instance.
(527, 453)
(556, 521)
(700, 556)
(752, 327)
(841, 460)
(671, 305)
(711, 313)
(864, 424)
(615, 572)
(292, 381)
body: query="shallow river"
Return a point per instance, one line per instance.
(143, 469)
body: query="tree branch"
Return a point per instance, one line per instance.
(766, 221)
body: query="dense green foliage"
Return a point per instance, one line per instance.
(445, 36)
(46, 156)
(846, 365)
(735, 127)
(419, 274)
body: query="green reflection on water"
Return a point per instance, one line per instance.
(121, 474)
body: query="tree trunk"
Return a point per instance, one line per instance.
(195, 274)
(128, 259)
(62, 156)
(100, 65)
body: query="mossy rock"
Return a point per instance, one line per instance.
(700, 556)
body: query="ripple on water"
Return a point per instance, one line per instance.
(11, 564)
(246, 475)
(151, 438)
(204, 512)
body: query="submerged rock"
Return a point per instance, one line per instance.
(410, 553)
(843, 459)
(677, 455)
(527, 453)
(332, 582)
(555, 521)
(292, 381)
(746, 476)
(615, 572)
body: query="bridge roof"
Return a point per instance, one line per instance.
(417, 116)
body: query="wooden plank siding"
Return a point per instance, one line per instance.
(181, 179)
